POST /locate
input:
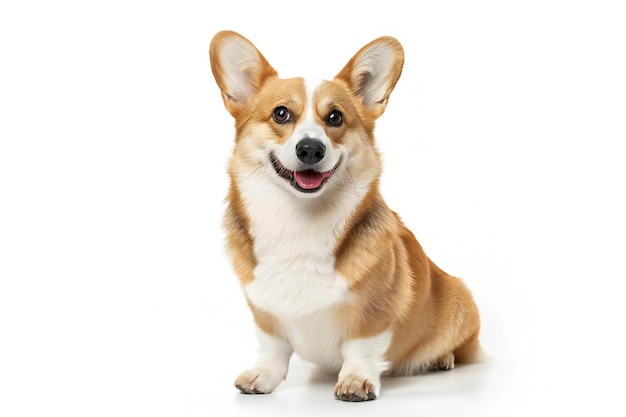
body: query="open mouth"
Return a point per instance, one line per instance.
(306, 181)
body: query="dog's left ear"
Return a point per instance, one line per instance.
(374, 71)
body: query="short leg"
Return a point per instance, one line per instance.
(363, 362)
(271, 366)
(470, 351)
(445, 362)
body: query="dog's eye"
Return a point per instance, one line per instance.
(335, 118)
(281, 114)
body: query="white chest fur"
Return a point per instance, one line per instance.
(317, 338)
(294, 248)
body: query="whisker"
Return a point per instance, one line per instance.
(258, 167)
(351, 182)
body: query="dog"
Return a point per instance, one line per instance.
(329, 271)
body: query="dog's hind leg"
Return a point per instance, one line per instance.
(470, 351)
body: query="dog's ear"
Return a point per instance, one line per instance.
(374, 71)
(239, 69)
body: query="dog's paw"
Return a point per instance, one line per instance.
(446, 362)
(258, 381)
(356, 388)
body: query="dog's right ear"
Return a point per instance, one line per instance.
(239, 69)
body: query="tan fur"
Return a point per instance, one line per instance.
(394, 285)
(431, 312)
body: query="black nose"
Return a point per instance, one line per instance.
(310, 151)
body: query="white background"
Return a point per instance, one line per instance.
(504, 152)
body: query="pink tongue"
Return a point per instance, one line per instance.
(309, 179)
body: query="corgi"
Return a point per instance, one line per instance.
(329, 271)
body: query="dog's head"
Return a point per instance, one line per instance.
(306, 137)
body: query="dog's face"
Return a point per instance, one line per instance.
(307, 137)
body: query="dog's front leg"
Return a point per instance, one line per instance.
(363, 363)
(271, 365)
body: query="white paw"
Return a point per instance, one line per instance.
(258, 381)
(356, 388)
(445, 362)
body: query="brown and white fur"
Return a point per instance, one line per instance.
(328, 270)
